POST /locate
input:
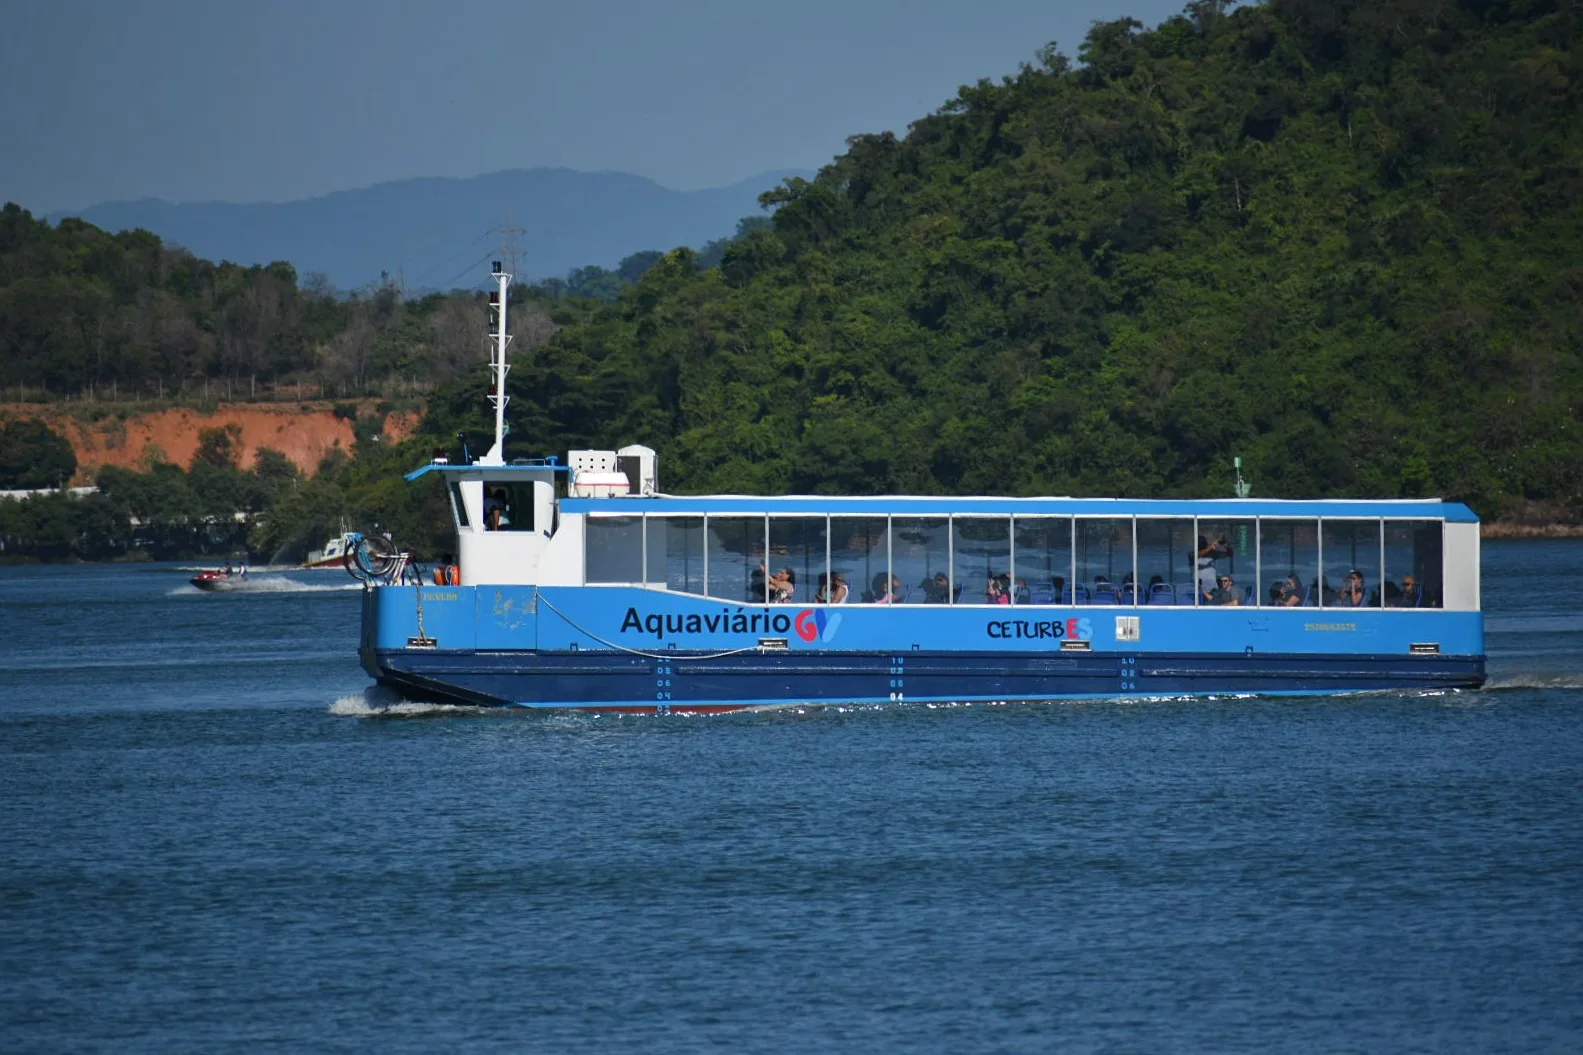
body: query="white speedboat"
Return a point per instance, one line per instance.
(334, 553)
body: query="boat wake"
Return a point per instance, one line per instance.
(375, 702)
(267, 584)
(1534, 680)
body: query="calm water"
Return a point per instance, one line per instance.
(210, 839)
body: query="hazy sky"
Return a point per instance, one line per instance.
(251, 100)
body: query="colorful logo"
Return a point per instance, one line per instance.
(1021, 629)
(815, 624)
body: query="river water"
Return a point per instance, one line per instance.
(212, 837)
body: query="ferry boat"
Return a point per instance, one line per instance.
(581, 585)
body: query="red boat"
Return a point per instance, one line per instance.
(218, 580)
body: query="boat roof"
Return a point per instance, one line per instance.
(524, 467)
(965, 505)
(987, 505)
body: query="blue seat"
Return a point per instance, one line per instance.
(1186, 592)
(1129, 595)
(1105, 595)
(1068, 597)
(1041, 592)
(1247, 597)
(1162, 593)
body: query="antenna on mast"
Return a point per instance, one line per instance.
(1242, 489)
(508, 243)
(500, 340)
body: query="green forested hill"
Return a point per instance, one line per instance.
(1340, 239)
(89, 314)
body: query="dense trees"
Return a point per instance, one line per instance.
(1343, 239)
(1340, 239)
(83, 311)
(34, 456)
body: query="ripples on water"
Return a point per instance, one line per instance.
(216, 836)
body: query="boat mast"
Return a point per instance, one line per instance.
(498, 369)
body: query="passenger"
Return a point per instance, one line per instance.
(782, 586)
(937, 590)
(821, 594)
(758, 589)
(1393, 595)
(227, 569)
(1291, 592)
(882, 595)
(1226, 594)
(1353, 594)
(1412, 593)
(1024, 594)
(994, 592)
(838, 589)
(1208, 553)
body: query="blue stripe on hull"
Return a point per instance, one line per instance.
(617, 680)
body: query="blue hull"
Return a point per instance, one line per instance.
(617, 681)
(625, 649)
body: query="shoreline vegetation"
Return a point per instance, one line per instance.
(1506, 529)
(1343, 242)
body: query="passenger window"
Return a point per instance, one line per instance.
(458, 507)
(1042, 559)
(736, 559)
(676, 553)
(859, 559)
(613, 550)
(796, 559)
(981, 559)
(920, 549)
(1413, 562)
(1225, 562)
(509, 507)
(1165, 560)
(1103, 561)
(1350, 550)
(1289, 558)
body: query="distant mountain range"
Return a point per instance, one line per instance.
(440, 233)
